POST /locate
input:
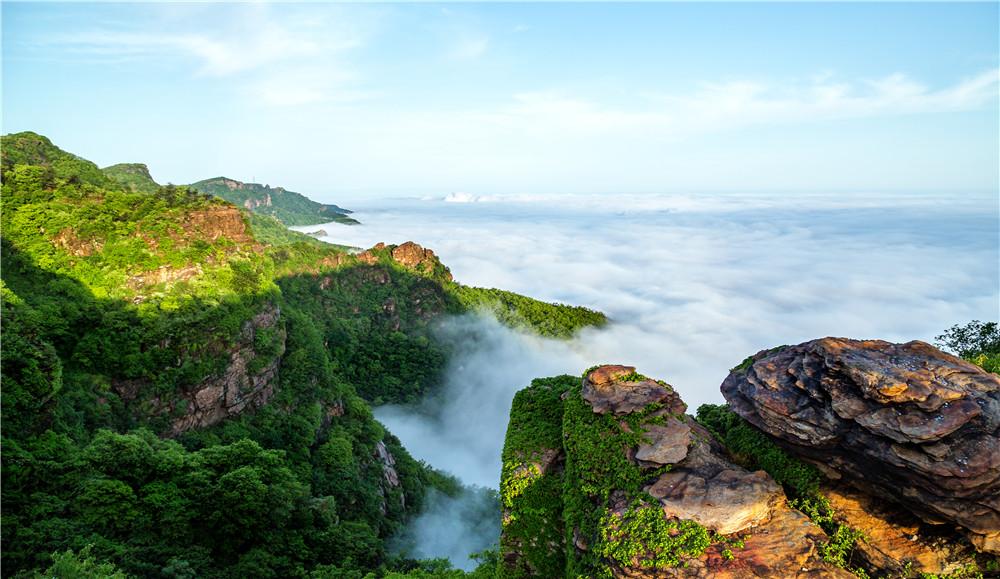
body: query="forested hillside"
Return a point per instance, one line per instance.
(289, 207)
(186, 385)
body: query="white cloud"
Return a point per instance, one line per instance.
(282, 57)
(735, 104)
(693, 284)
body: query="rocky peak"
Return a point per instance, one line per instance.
(619, 390)
(137, 169)
(409, 255)
(905, 422)
(215, 222)
(646, 490)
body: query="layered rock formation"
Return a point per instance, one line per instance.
(904, 422)
(635, 488)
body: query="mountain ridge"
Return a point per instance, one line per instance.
(289, 207)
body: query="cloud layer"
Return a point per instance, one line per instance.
(693, 284)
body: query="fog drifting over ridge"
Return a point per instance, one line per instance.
(692, 284)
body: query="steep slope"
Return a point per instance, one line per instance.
(132, 176)
(806, 475)
(181, 392)
(289, 207)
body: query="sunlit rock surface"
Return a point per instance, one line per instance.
(905, 422)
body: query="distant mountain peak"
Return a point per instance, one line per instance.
(289, 207)
(133, 176)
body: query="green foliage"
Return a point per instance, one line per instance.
(748, 361)
(288, 207)
(840, 548)
(632, 377)
(754, 449)
(977, 342)
(376, 339)
(532, 500)
(744, 365)
(642, 536)
(597, 464)
(132, 177)
(551, 320)
(550, 417)
(53, 163)
(70, 565)
(119, 301)
(269, 230)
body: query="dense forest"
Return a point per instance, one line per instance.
(187, 385)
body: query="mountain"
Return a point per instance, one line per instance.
(833, 459)
(133, 176)
(187, 384)
(289, 207)
(32, 149)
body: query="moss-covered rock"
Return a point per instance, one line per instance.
(638, 489)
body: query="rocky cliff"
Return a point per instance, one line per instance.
(835, 458)
(608, 477)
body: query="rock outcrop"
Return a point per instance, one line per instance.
(390, 478)
(240, 386)
(609, 389)
(245, 383)
(904, 422)
(409, 255)
(216, 222)
(616, 450)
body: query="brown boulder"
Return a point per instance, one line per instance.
(906, 422)
(705, 487)
(666, 444)
(606, 392)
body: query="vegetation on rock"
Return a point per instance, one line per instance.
(286, 206)
(133, 177)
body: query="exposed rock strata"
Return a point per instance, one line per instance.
(905, 422)
(236, 389)
(390, 478)
(409, 254)
(604, 390)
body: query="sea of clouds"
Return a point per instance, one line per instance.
(692, 283)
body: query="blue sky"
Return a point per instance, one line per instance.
(351, 100)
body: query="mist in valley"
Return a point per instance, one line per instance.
(692, 285)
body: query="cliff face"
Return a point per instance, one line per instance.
(607, 477)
